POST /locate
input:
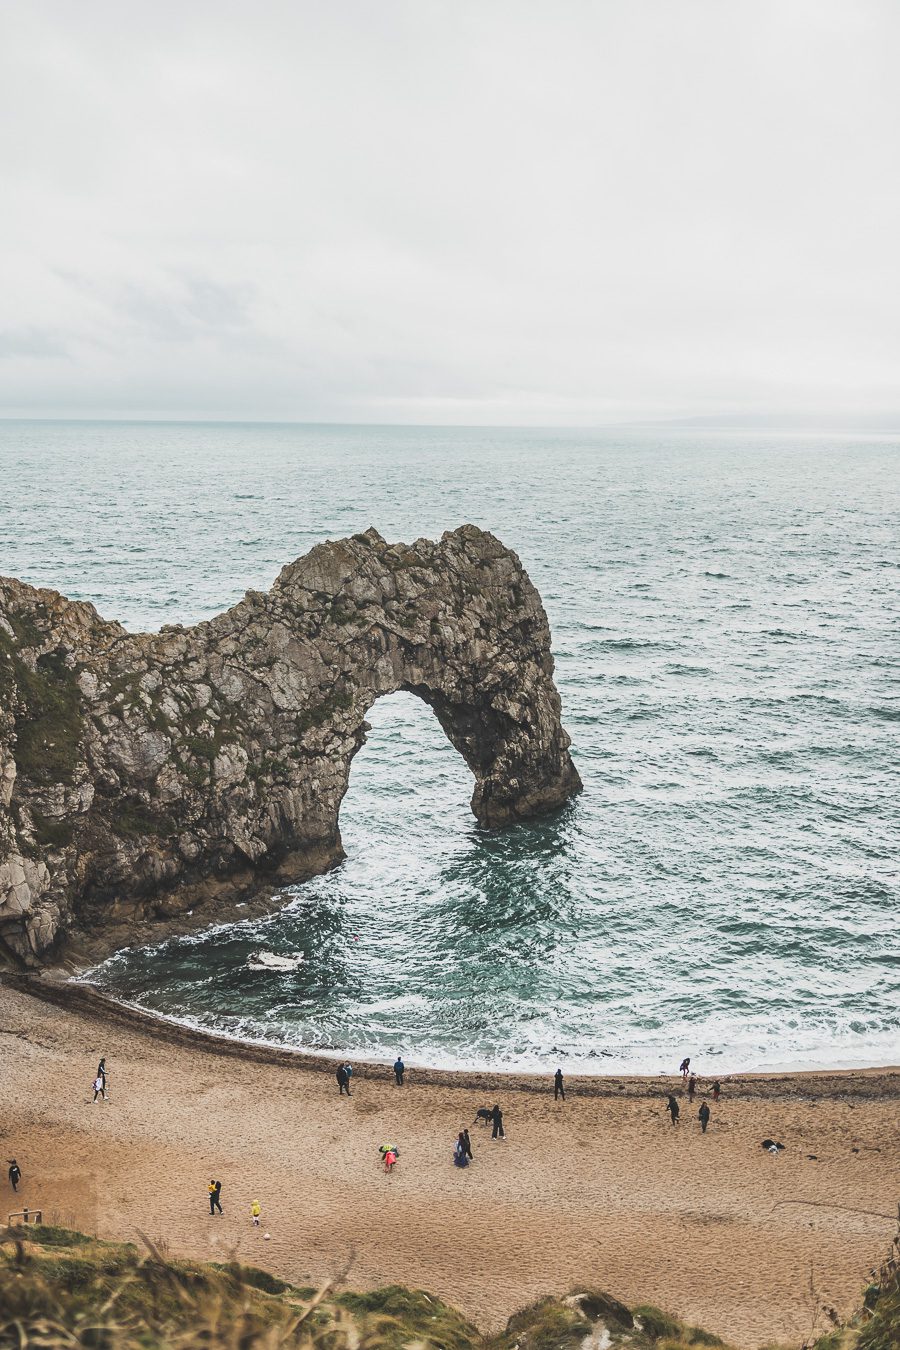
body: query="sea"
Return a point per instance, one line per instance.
(724, 609)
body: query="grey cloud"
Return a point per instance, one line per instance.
(451, 211)
(184, 307)
(30, 343)
(218, 306)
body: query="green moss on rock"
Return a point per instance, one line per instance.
(320, 713)
(132, 820)
(51, 832)
(48, 718)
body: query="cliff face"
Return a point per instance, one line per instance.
(148, 772)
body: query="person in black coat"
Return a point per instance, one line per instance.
(15, 1174)
(497, 1118)
(673, 1109)
(558, 1087)
(399, 1070)
(343, 1080)
(703, 1113)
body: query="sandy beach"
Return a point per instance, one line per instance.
(598, 1190)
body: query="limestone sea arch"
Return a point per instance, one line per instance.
(150, 771)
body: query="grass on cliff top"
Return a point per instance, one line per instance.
(48, 719)
(60, 1288)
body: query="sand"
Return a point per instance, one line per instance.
(599, 1190)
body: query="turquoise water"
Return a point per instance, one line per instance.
(724, 612)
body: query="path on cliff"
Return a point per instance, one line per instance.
(594, 1191)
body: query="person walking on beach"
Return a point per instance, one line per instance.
(716, 1090)
(468, 1144)
(703, 1113)
(692, 1088)
(343, 1080)
(99, 1088)
(684, 1068)
(255, 1212)
(558, 1086)
(673, 1109)
(101, 1073)
(215, 1197)
(15, 1174)
(497, 1119)
(399, 1070)
(348, 1070)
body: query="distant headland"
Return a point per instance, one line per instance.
(146, 774)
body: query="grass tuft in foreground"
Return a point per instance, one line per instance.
(62, 1289)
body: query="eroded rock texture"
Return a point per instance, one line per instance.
(147, 772)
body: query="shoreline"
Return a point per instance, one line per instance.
(57, 987)
(73, 963)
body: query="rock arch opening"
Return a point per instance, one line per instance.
(407, 781)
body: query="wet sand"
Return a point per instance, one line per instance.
(599, 1190)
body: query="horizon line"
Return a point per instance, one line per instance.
(725, 421)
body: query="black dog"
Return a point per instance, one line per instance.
(485, 1115)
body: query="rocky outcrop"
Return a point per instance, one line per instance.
(148, 772)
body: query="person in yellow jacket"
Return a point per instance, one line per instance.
(255, 1212)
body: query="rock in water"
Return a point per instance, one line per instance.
(272, 961)
(141, 774)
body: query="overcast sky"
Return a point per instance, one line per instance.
(450, 210)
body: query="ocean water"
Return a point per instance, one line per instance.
(724, 613)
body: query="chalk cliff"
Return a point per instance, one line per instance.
(144, 773)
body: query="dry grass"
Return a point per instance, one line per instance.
(60, 1289)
